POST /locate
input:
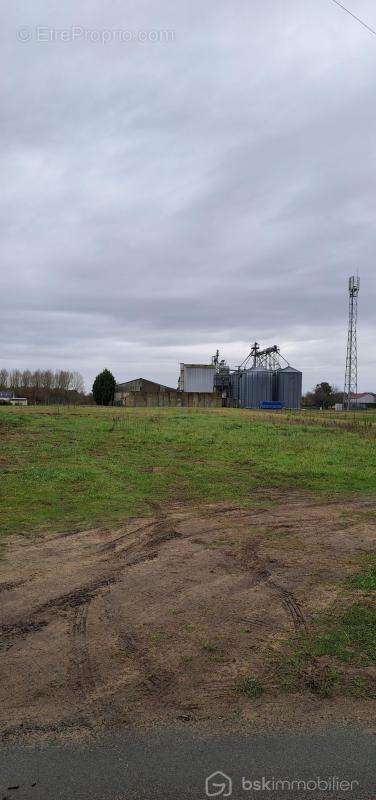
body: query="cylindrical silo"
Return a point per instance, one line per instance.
(234, 388)
(289, 387)
(255, 385)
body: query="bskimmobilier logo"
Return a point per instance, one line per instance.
(218, 784)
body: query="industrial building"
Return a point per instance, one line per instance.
(364, 400)
(144, 393)
(252, 388)
(197, 377)
(266, 383)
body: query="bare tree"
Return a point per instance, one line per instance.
(36, 379)
(45, 386)
(77, 382)
(62, 379)
(3, 378)
(15, 378)
(47, 379)
(26, 379)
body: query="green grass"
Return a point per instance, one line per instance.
(249, 685)
(219, 543)
(338, 641)
(69, 468)
(358, 686)
(348, 635)
(157, 636)
(365, 581)
(210, 647)
(322, 660)
(188, 627)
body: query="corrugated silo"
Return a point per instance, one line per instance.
(255, 385)
(234, 387)
(289, 387)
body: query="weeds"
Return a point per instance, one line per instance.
(365, 581)
(249, 685)
(358, 686)
(157, 636)
(210, 647)
(218, 543)
(321, 680)
(188, 627)
(316, 660)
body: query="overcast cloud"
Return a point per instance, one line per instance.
(165, 198)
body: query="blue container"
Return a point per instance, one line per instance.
(274, 405)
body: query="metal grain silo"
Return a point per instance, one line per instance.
(255, 385)
(234, 388)
(289, 387)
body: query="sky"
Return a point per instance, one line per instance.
(182, 177)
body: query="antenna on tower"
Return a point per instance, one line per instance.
(351, 374)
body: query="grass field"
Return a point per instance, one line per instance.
(176, 561)
(70, 468)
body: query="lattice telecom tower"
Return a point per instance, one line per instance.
(351, 374)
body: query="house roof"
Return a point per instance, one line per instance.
(363, 394)
(129, 385)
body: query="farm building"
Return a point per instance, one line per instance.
(197, 378)
(365, 399)
(265, 384)
(18, 401)
(9, 398)
(142, 392)
(250, 388)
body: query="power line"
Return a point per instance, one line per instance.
(368, 27)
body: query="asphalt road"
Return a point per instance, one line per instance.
(174, 765)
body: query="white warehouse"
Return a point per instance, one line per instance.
(197, 378)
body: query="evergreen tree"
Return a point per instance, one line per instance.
(104, 388)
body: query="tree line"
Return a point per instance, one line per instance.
(322, 396)
(45, 386)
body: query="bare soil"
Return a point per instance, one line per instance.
(155, 621)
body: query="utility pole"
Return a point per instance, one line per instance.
(351, 373)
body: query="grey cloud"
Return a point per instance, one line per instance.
(162, 199)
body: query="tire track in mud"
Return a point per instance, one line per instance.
(44, 614)
(291, 605)
(81, 666)
(113, 544)
(136, 552)
(7, 587)
(161, 530)
(84, 676)
(261, 574)
(288, 599)
(153, 677)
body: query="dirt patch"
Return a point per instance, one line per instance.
(155, 621)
